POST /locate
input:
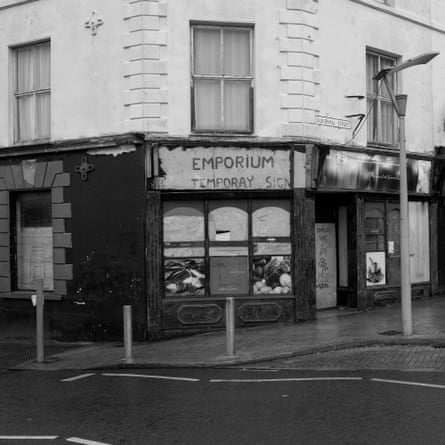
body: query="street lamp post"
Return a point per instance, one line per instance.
(399, 103)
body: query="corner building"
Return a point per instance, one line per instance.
(184, 152)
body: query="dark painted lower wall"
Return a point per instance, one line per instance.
(107, 252)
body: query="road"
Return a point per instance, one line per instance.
(222, 406)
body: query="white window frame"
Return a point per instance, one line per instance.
(16, 94)
(375, 110)
(222, 77)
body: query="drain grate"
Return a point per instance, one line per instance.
(440, 346)
(390, 333)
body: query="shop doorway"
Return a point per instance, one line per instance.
(325, 266)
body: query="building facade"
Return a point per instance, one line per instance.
(169, 154)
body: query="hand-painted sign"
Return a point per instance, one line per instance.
(221, 168)
(326, 266)
(361, 171)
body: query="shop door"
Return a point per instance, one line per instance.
(393, 244)
(326, 266)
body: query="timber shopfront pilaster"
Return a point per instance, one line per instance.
(228, 221)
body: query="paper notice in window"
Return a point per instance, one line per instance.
(222, 235)
(390, 246)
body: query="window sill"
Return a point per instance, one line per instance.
(31, 142)
(382, 146)
(26, 295)
(224, 134)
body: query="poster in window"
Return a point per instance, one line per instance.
(184, 277)
(35, 257)
(229, 275)
(272, 275)
(375, 268)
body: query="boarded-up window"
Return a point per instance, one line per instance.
(246, 250)
(34, 240)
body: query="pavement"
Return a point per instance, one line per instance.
(335, 329)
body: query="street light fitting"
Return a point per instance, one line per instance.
(418, 60)
(399, 104)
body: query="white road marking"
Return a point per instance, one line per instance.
(28, 437)
(78, 377)
(401, 382)
(85, 441)
(149, 376)
(302, 379)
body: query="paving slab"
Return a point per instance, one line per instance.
(333, 329)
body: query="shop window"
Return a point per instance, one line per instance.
(32, 240)
(222, 79)
(375, 226)
(382, 242)
(184, 266)
(32, 92)
(382, 118)
(245, 249)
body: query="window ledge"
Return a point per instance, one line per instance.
(31, 142)
(22, 295)
(393, 147)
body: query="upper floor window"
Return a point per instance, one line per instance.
(222, 79)
(32, 92)
(382, 117)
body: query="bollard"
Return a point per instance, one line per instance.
(230, 326)
(40, 301)
(128, 334)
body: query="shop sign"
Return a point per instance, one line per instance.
(222, 168)
(361, 171)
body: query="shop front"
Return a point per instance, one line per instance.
(358, 198)
(231, 222)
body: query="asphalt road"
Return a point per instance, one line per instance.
(222, 406)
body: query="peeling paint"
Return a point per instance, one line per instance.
(115, 151)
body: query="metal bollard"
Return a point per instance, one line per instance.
(230, 326)
(40, 301)
(128, 338)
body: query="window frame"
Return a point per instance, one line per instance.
(249, 244)
(14, 243)
(221, 77)
(15, 94)
(375, 110)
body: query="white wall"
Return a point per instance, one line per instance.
(346, 29)
(100, 85)
(87, 81)
(264, 14)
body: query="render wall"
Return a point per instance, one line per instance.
(87, 71)
(347, 28)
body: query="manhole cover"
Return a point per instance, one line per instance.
(390, 333)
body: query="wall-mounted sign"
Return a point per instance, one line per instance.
(361, 171)
(326, 121)
(224, 168)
